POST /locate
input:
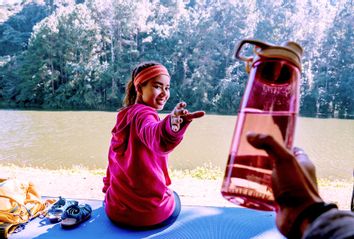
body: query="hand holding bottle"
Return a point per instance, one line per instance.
(293, 181)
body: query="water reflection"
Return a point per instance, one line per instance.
(65, 139)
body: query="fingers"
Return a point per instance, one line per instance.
(176, 120)
(175, 123)
(283, 157)
(180, 115)
(306, 164)
(197, 114)
(271, 146)
(180, 110)
(298, 163)
(285, 161)
(194, 115)
(176, 114)
(281, 154)
(175, 128)
(293, 179)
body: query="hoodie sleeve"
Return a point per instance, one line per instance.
(332, 224)
(157, 134)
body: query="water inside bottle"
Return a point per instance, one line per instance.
(247, 180)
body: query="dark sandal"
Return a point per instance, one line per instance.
(58, 208)
(6, 229)
(75, 214)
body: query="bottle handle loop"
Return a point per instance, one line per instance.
(249, 59)
(258, 44)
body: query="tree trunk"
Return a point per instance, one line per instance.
(113, 64)
(52, 75)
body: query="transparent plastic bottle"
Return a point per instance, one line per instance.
(269, 105)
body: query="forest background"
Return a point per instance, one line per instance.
(65, 54)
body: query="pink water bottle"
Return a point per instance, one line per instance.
(270, 105)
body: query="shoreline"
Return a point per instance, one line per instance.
(81, 183)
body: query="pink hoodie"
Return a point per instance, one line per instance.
(137, 176)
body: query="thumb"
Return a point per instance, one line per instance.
(306, 164)
(194, 115)
(266, 142)
(303, 177)
(197, 114)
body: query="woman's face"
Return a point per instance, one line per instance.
(155, 92)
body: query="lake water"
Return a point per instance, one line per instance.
(69, 139)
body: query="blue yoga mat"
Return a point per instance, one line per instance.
(194, 222)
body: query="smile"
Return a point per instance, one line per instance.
(161, 101)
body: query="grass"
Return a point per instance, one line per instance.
(205, 172)
(331, 182)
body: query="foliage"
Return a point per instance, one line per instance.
(205, 172)
(79, 54)
(14, 32)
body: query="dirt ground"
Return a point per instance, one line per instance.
(83, 184)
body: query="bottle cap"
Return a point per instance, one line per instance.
(290, 51)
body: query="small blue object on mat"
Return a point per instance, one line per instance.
(194, 222)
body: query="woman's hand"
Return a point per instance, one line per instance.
(179, 115)
(293, 181)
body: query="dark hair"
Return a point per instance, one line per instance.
(130, 92)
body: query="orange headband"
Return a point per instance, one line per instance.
(150, 73)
